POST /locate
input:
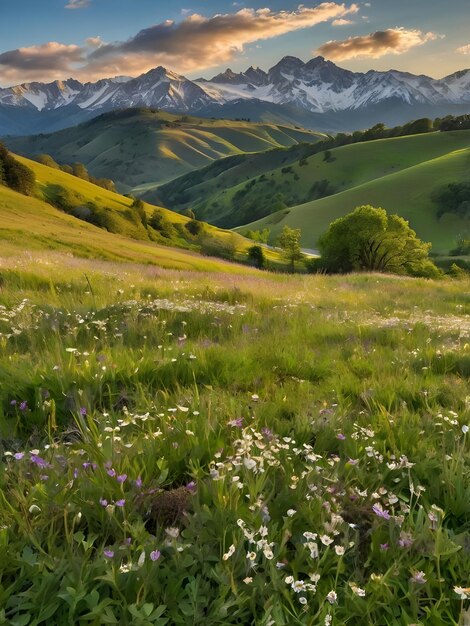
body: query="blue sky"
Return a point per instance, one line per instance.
(42, 39)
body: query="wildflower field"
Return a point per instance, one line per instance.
(215, 449)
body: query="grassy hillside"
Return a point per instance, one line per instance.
(33, 224)
(252, 188)
(209, 191)
(29, 225)
(399, 174)
(141, 148)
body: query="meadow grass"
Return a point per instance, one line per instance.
(190, 448)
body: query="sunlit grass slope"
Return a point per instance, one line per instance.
(141, 148)
(33, 224)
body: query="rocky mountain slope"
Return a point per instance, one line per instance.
(317, 94)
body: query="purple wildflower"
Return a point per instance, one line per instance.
(23, 405)
(111, 472)
(108, 554)
(267, 433)
(13, 403)
(191, 486)
(341, 436)
(39, 461)
(155, 555)
(18, 456)
(138, 482)
(380, 512)
(75, 473)
(122, 478)
(83, 411)
(384, 547)
(236, 423)
(418, 578)
(121, 503)
(86, 465)
(103, 502)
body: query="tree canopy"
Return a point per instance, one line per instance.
(369, 239)
(289, 241)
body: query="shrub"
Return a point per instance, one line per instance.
(15, 175)
(190, 213)
(257, 257)
(161, 224)
(63, 198)
(195, 227)
(46, 159)
(139, 208)
(221, 248)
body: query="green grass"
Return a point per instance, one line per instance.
(140, 148)
(399, 175)
(169, 439)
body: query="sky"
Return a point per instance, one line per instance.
(45, 40)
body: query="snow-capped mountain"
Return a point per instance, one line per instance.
(318, 87)
(321, 86)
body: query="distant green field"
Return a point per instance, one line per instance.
(399, 175)
(141, 148)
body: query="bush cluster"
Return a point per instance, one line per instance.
(15, 175)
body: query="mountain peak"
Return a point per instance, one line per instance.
(289, 62)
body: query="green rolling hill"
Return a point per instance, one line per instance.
(142, 148)
(407, 192)
(232, 193)
(32, 223)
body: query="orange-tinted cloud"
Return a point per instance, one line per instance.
(341, 21)
(195, 43)
(464, 49)
(375, 45)
(52, 59)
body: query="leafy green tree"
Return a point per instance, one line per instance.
(368, 239)
(257, 257)
(289, 241)
(262, 236)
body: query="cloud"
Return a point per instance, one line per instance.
(77, 4)
(375, 45)
(94, 42)
(52, 59)
(464, 49)
(195, 43)
(341, 22)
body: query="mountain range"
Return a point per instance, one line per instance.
(317, 94)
